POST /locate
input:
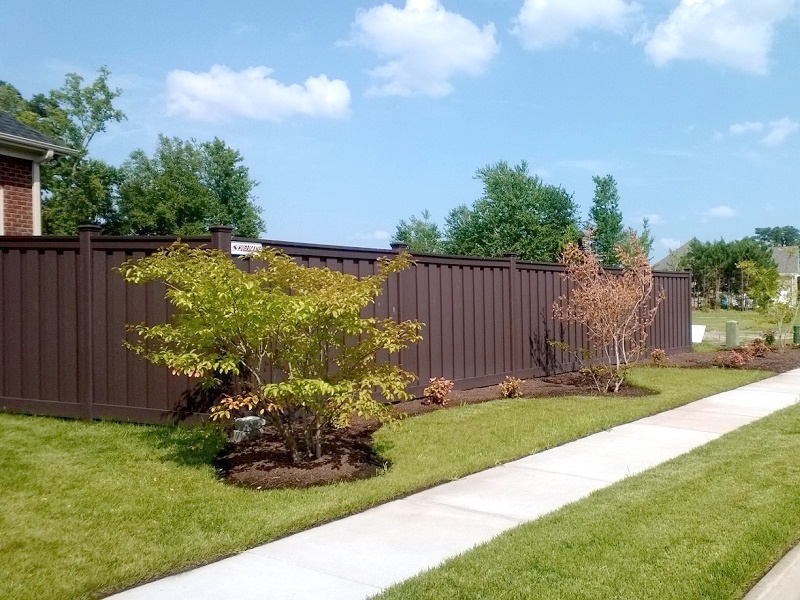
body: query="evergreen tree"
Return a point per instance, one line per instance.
(605, 220)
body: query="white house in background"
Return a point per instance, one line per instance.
(788, 260)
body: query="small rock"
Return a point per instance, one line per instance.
(250, 424)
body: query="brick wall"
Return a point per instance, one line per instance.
(16, 179)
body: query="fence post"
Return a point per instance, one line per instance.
(514, 311)
(85, 317)
(221, 237)
(691, 306)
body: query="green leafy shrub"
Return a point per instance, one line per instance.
(437, 391)
(291, 339)
(511, 387)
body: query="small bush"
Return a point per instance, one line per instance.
(437, 391)
(659, 357)
(759, 347)
(511, 387)
(769, 338)
(732, 359)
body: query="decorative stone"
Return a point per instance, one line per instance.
(250, 424)
(247, 428)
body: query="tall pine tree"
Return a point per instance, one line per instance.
(605, 219)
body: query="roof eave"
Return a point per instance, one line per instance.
(28, 144)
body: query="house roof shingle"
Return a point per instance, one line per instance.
(14, 132)
(787, 258)
(671, 261)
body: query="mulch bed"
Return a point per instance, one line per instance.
(776, 361)
(263, 463)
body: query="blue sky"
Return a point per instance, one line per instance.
(354, 114)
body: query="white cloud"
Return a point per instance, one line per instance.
(746, 127)
(779, 130)
(722, 212)
(776, 131)
(733, 33)
(543, 23)
(379, 235)
(669, 243)
(425, 46)
(222, 93)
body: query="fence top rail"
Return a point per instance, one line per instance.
(330, 252)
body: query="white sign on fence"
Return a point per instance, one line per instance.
(242, 248)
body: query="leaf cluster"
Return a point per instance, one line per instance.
(517, 213)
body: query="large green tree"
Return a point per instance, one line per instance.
(75, 189)
(605, 220)
(420, 234)
(778, 236)
(185, 187)
(516, 214)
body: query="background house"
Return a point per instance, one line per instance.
(22, 150)
(788, 261)
(672, 260)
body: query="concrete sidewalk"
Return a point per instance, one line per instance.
(360, 555)
(782, 582)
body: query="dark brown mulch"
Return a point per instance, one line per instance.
(776, 361)
(264, 464)
(564, 384)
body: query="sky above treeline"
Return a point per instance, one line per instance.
(352, 115)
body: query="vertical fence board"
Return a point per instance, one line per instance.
(29, 292)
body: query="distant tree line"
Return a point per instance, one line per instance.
(717, 272)
(518, 213)
(182, 189)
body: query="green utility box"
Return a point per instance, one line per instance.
(731, 334)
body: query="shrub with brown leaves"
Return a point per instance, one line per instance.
(659, 357)
(437, 391)
(511, 387)
(615, 308)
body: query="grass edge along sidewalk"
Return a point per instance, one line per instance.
(707, 524)
(91, 508)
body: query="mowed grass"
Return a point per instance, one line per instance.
(706, 525)
(92, 508)
(751, 324)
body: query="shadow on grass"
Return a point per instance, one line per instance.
(193, 446)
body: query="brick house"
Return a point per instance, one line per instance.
(22, 150)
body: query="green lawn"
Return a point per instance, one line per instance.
(706, 525)
(90, 508)
(752, 324)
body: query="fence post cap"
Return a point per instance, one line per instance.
(395, 245)
(221, 228)
(90, 228)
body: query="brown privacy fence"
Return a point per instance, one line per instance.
(63, 311)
